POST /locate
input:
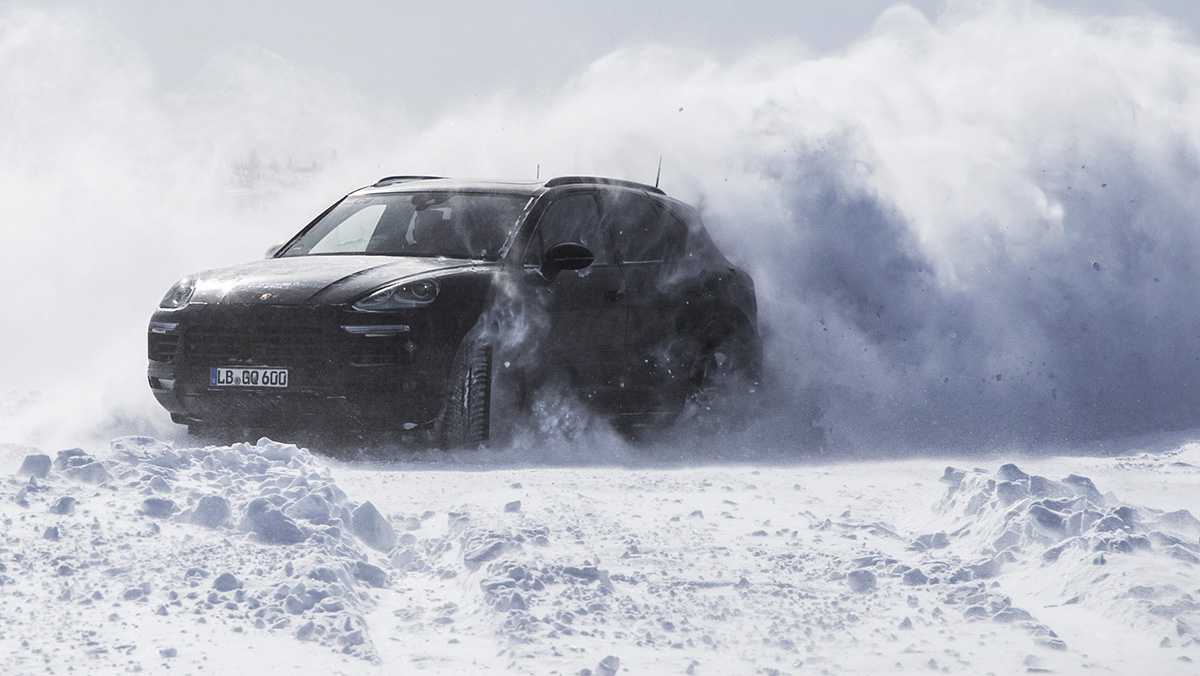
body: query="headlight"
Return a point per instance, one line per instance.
(399, 296)
(179, 295)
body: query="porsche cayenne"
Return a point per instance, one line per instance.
(426, 303)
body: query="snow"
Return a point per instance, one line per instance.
(1010, 278)
(115, 552)
(223, 557)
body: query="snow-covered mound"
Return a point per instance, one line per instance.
(148, 557)
(256, 536)
(1132, 561)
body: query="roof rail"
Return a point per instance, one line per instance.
(389, 180)
(600, 180)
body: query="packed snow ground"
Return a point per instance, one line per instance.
(148, 556)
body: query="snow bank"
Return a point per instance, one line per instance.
(257, 536)
(1134, 561)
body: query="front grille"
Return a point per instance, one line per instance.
(163, 347)
(378, 351)
(261, 345)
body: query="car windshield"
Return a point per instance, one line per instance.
(449, 224)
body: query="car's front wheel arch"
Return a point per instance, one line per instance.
(465, 419)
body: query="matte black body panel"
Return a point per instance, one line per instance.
(623, 335)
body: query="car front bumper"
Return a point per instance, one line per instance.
(380, 370)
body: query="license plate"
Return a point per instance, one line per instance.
(243, 376)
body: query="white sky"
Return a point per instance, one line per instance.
(431, 55)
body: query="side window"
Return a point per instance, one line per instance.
(645, 231)
(573, 218)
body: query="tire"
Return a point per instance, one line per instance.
(466, 416)
(724, 382)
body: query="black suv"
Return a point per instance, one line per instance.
(425, 303)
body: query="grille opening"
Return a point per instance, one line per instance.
(378, 351)
(163, 347)
(266, 345)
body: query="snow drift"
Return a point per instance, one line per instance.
(152, 555)
(1073, 532)
(254, 536)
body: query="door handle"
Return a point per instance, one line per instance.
(614, 295)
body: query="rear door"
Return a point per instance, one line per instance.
(648, 240)
(586, 336)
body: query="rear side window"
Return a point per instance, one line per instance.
(645, 232)
(571, 218)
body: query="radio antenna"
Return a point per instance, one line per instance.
(539, 171)
(658, 174)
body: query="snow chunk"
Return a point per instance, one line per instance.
(483, 551)
(372, 528)
(70, 456)
(1084, 487)
(146, 451)
(64, 505)
(1180, 521)
(1011, 491)
(92, 472)
(212, 511)
(37, 465)
(271, 525)
(370, 573)
(861, 581)
(953, 476)
(1047, 519)
(226, 582)
(1010, 472)
(936, 540)
(159, 508)
(158, 485)
(137, 593)
(312, 507)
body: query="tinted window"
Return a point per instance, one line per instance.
(572, 218)
(645, 232)
(454, 225)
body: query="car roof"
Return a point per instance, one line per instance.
(397, 184)
(422, 183)
(414, 183)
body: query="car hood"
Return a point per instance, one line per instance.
(301, 280)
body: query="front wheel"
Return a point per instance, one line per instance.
(466, 416)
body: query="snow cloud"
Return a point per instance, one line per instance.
(967, 229)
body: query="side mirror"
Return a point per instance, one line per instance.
(566, 256)
(273, 249)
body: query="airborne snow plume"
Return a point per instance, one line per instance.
(966, 229)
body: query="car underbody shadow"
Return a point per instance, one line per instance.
(559, 430)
